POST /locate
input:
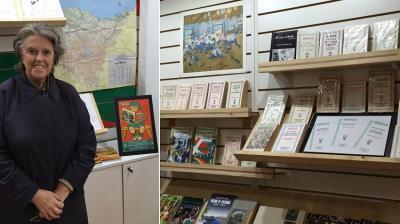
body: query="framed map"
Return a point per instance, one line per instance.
(213, 40)
(135, 125)
(100, 42)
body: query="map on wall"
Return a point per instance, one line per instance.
(100, 42)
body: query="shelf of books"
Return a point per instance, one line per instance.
(232, 171)
(272, 205)
(347, 161)
(338, 61)
(207, 113)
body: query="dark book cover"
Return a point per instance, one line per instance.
(217, 209)
(283, 46)
(168, 207)
(188, 211)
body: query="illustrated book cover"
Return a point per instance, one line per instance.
(205, 146)
(180, 144)
(283, 46)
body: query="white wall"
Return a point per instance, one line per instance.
(148, 74)
(263, 17)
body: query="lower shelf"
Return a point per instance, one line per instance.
(233, 171)
(382, 163)
(315, 202)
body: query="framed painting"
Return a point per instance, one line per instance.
(213, 40)
(135, 125)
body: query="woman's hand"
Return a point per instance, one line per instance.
(48, 203)
(62, 191)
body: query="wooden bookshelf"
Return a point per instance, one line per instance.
(207, 113)
(348, 161)
(339, 61)
(310, 201)
(232, 171)
(57, 22)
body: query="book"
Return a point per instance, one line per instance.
(289, 138)
(355, 39)
(381, 88)
(301, 109)
(307, 44)
(168, 97)
(232, 144)
(180, 144)
(187, 211)
(205, 146)
(283, 46)
(274, 215)
(385, 35)
(217, 209)
(198, 96)
(312, 218)
(242, 212)
(168, 207)
(354, 97)
(328, 98)
(331, 43)
(182, 97)
(216, 95)
(237, 94)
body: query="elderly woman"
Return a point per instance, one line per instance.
(47, 143)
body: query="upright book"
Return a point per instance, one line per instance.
(180, 144)
(217, 210)
(168, 97)
(182, 97)
(205, 146)
(242, 212)
(307, 44)
(232, 144)
(283, 46)
(355, 39)
(188, 211)
(168, 207)
(331, 43)
(385, 35)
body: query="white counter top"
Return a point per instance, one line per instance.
(123, 160)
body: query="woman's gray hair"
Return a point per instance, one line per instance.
(38, 29)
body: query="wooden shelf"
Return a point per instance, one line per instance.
(339, 61)
(381, 163)
(232, 171)
(57, 22)
(207, 113)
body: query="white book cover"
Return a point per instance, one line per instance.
(198, 96)
(216, 95)
(168, 97)
(385, 35)
(272, 215)
(355, 39)
(331, 43)
(182, 97)
(289, 138)
(307, 45)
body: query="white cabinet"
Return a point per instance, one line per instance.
(104, 197)
(141, 192)
(124, 191)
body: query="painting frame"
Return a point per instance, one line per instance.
(229, 47)
(135, 116)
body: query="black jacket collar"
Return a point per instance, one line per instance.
(29, 90)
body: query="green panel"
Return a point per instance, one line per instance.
(6, 73)
(7, 60)
(105, 100)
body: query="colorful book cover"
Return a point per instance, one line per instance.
(242, 212)
(217, 209)
(168, 207)
(180, 145)
(188, 211)
(205, 146)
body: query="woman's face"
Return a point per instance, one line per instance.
(37, 57)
